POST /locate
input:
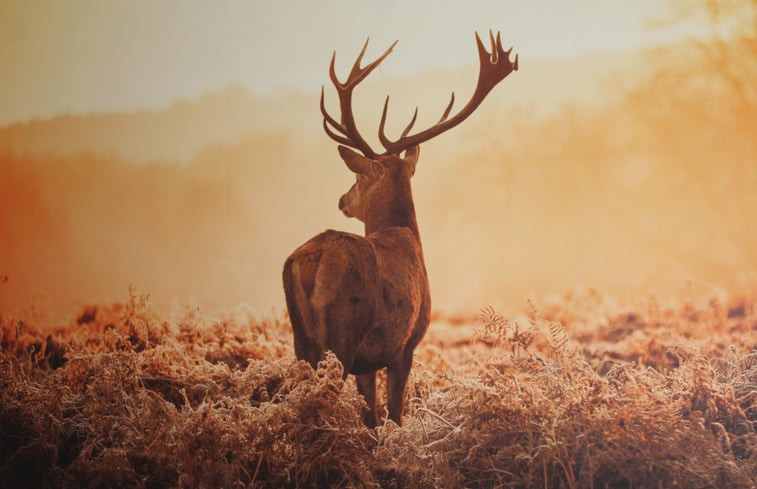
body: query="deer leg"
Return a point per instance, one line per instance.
(366, 386)
(307, 350)
(397, 375)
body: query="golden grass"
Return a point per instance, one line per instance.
(577, 393)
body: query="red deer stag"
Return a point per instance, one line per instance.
(367, 298)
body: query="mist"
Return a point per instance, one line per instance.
(630, 183)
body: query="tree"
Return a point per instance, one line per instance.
(699, 104)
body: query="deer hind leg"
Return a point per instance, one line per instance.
(299, 278)
(366, 386)
(397, 375)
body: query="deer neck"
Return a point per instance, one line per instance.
(393, 210)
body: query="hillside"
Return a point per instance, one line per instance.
(180, 131)
(176, 133)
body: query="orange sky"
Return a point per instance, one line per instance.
(88, 55)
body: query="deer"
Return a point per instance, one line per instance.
(366, 298)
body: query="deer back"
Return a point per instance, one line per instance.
(358, 297)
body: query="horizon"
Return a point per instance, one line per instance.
(282, 92)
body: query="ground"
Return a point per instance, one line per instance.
(575, 392)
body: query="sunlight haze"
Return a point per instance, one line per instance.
(178, 147)
(91, 56)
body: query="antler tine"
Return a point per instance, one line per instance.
(357, 74)
(449, 107)
(494, 67)
(356, 66)
(382, 137)
(332, 70)
(495, 53)
(330, 121)
(502, 51)
(386, 141)
(412, 123)
(350, 135)
(483, 54)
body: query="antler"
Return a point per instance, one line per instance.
(348, 132)
(495, 66)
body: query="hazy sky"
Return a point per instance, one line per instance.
(91, 55)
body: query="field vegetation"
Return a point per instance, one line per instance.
(578, 392)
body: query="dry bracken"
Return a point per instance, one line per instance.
(575, 393)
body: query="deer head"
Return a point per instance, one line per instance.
(382, 186)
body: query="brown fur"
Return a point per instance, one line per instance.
(365, 298)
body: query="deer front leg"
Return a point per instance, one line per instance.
(366, 386)
(397, 375)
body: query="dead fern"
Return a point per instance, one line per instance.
(657, 396)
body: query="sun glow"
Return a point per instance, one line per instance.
(174, 123)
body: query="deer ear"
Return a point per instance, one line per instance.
(411, 156)
(355, 161)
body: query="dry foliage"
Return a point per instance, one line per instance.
(577, 394)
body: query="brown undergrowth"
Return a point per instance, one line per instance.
(577, 393)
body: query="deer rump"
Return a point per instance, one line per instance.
(364, 298)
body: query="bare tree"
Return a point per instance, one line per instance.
(699, 106)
